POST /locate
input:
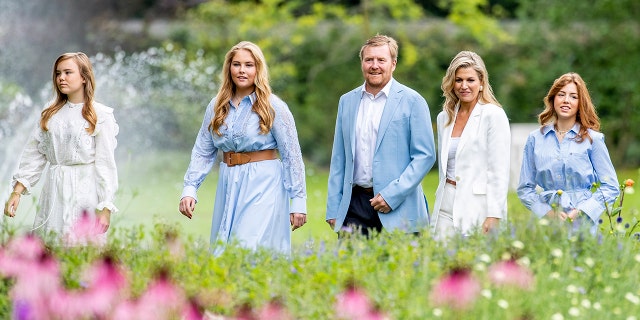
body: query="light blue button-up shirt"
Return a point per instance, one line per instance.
(550, 165)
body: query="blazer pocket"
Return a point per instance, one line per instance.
(479, 188)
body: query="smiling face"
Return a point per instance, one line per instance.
(243, 72)
(377, 67)
(565, 103)
(69, 80)
(467, 86)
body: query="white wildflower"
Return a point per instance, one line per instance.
(556, 253)
(575, 312)
(517, 244)
(572, 289)
(503, 304)
(486, 293)
(525, 261)
(437, 312)
(589, 262)
(557, 316)
(485, 258)
(597, 306)
(586, 303)
(632, 298)
(543, 222)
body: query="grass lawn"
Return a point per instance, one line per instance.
(151, 184)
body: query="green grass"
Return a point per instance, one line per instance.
(151, 184)
(575, 277)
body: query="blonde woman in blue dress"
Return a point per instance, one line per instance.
(258, 196)
(76, 138)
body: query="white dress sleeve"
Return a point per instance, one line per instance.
(106, 170)
(32, 162)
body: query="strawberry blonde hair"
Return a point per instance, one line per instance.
(586, 116)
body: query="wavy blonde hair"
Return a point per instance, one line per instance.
(586, 116)
(86, 71)
(465, 59)
(262, 106)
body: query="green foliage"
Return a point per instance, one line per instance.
(469, 15)
(596, 39)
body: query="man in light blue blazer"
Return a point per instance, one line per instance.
(382, 148)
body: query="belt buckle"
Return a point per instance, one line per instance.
(236, 158)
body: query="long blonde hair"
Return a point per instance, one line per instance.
(586, 116)
(465, 59)
(86, 71)
(262, 106)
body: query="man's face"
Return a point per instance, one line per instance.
(377, 67)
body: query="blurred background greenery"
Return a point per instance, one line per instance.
(157, 63)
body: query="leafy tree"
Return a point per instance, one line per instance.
(598, 39)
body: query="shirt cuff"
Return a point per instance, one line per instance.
(540, 209)
(106, 204)
(298, 205)
(592, 208)
(25, 183)
(189, 191)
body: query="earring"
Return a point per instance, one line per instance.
(481, 87)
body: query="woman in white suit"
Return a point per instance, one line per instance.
(473, 152)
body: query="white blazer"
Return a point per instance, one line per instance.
(482, 167)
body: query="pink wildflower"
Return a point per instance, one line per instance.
(458, 290)
(162, 299)
(510, 273)
(85, 231)
(19, 254)
(274, 310)
(353, 303)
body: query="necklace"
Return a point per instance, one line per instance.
(560, 132)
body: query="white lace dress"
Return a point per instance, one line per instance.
(81, 174)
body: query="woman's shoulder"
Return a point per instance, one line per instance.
(492, 109)
(101, 108)
(594, 134)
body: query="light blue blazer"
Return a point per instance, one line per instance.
(405, 152)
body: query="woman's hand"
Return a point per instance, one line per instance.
(553, 215)
(11, 205)
(490, 224)
(103, 220)
(297, 220)
(187, 206)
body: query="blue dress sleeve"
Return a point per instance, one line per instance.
(203, 156)
(286, 136)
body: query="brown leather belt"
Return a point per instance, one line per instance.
(451, 182)
(236, 158)
(366, 190)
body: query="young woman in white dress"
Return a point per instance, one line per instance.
(73, 147)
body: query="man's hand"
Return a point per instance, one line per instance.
(379, 204)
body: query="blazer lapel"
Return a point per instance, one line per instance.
(471, 127)
(390, 107)
(446, 139)
(353, 104)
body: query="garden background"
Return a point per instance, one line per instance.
(157, 63)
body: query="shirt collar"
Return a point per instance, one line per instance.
(386, 89)
(551, 127)
(252, 97)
